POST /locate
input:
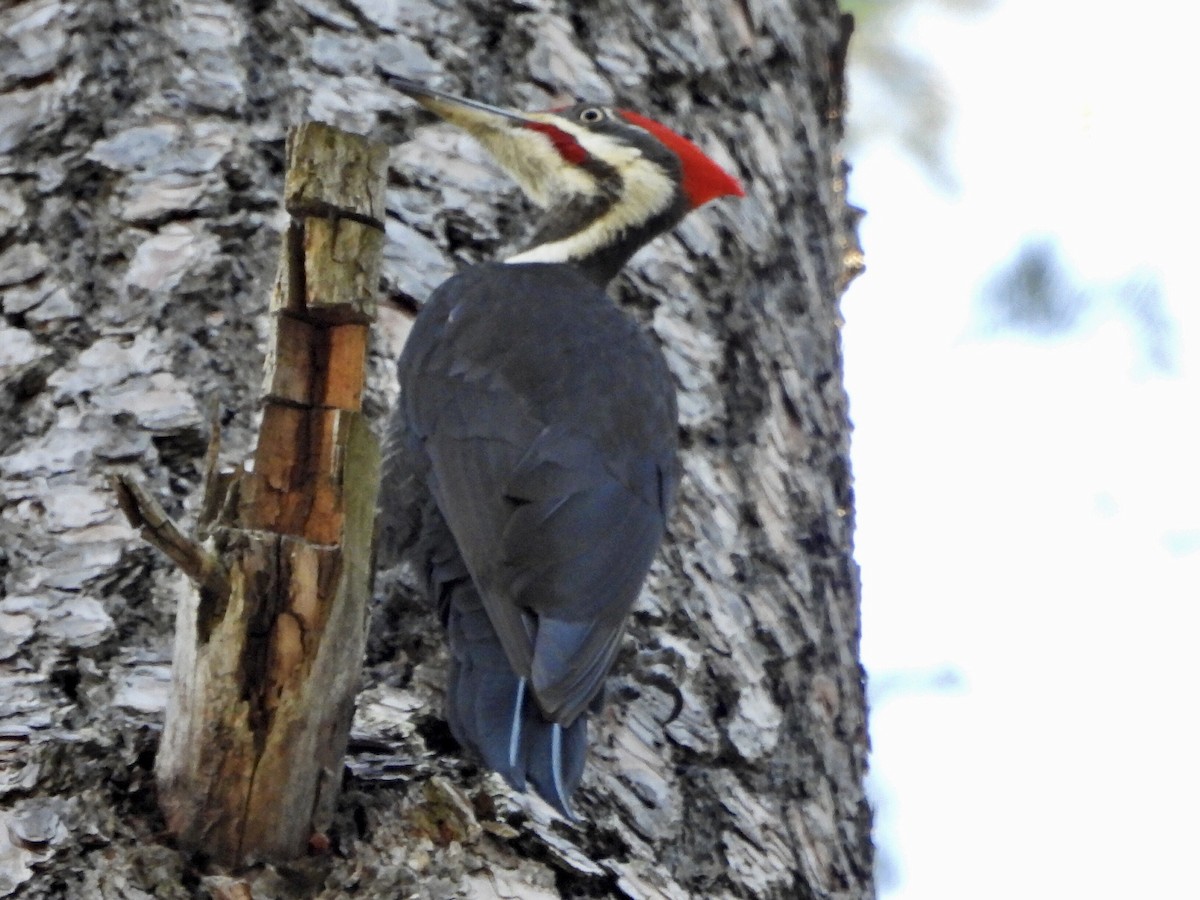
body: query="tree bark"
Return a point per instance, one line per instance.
(141, 160)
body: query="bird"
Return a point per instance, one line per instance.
(531, 463)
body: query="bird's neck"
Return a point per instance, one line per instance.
(598, 234)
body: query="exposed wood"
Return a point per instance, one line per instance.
(335, 243)
(269, 642)
(329, 175)
(341, 269)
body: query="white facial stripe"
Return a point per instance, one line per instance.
(532, 160)
(645, 193)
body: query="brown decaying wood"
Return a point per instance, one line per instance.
(269, 640)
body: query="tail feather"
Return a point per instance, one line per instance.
(492, 712)
(556, 761)
(515, 732)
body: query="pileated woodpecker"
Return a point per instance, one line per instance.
(532, 459)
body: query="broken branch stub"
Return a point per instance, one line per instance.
(270, 634)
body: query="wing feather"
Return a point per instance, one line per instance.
(549, 448)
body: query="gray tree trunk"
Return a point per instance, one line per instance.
(141, 149)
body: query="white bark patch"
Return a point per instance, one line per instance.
(75, 506)
(754, 730)
(144, 689)
(78, 621)
(22, 262)
(29, 834)
(15, 629)
(18, 348)
(162, 261)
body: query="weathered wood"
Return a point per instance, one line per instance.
(333, 249)
(269, 639)
(156, 528)
(330, 171)
(341, 269)
(251, 757)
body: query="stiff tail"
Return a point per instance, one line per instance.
(492, 711)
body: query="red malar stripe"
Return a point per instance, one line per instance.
(566, 145)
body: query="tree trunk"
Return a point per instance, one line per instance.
(141, 153)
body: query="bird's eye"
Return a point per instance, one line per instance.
(591, 115)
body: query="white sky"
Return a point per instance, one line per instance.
(1029, 510)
